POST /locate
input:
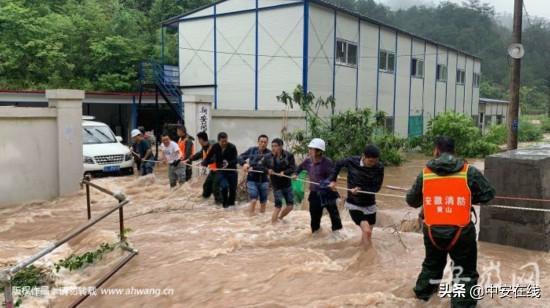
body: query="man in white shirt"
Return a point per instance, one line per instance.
(171, 155)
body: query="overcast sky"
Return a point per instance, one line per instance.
(539, 8)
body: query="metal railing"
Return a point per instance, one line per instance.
(7, 275)
(166, 80)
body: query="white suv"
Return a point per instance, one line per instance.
(103, 152)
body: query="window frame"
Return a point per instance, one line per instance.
(460, 76)
(415, 62)
(476, 80)
(440, 74)
(345, 56)
(386, 61)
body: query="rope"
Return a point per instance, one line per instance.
(393, 188)
(498, 205)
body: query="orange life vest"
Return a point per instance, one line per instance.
(182, 143)
(211, 166)
(447, 201)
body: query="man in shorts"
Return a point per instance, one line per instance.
(365, 173)
(281, 165)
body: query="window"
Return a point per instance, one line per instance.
(417, 68)
(346, 53)
(352, 54)
(460, 76)
(481, 118)
(477, 78)
(441, 73)
(387, 61)
(499, 119)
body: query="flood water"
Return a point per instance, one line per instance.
(212, 257)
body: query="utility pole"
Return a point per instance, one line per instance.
(513, 111)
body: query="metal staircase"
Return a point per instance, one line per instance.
(164, 79)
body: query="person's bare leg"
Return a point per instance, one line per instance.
(286, 210)
(366, 233)
(252, 206)
(275, 214)
(262, 207)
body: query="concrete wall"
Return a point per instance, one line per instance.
(41, 149)
(244, 127)
(527, 175)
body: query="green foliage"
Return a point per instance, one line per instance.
(74, 262)
(497, 134)
(336, 130)
(125, 233)
(468, 139)
(529, 132)
(533, 99)
(492, 90)
(546, 124)
(92, 44)
(31, 276)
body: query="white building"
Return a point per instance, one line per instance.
(246, 52)
(492, 112)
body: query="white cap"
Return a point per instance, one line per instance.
(317, 143)
(135, 132)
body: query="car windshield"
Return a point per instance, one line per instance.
(97, 134)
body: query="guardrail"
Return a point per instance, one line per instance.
(7, 274)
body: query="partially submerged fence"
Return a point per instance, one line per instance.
(7, 275)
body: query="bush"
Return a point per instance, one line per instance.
(546, 125)
(529, 132)
(391, 148)
(468, 139)
(345, 133)
(497, 134)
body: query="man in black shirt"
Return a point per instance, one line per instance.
(224, 154)
(210, 186)
(365, 173)
(280, 165)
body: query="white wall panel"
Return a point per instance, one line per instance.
(429, 83)
(403, 79)
(417, 83)
(386, 80)
(235, 6)
(368, 66)
(475, 90)
(347, 28)
(236, 61)
(320, 50)
(280, 49)
(196, 57)
(441, 91)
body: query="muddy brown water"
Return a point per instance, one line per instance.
(211, 257)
